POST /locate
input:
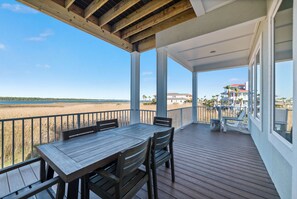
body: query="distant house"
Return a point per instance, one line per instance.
(178, 98)
(237, 94)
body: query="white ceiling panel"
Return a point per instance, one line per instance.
(225, 45)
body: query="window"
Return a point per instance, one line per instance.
(252, 89)
(283, 70)
(258, 86)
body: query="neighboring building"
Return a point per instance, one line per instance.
(237, 94)
(178, 98)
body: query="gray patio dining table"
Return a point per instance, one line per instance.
(74, 158)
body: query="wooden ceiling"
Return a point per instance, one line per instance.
(128, 24)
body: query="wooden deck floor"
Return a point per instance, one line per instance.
(208, 165)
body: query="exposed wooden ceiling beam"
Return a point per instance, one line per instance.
(147, 44)
(93, 7)
(76, 20)
(68, 3)
(182, 17)
(138, 14)
(157, 18)
(116, 11)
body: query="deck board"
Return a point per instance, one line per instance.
(208, 165)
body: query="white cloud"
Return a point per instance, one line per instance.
(42, 36)
(45, 66)
(18, 8)
(2, 46)
(235, 80)
(147, 73)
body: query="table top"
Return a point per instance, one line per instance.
(75, 157)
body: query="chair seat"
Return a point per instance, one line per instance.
(49, 193)
(161, 156)
(106, 188)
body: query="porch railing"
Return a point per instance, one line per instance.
(205, 114)
(18, 136)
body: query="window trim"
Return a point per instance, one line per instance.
(253, 84)
(282, 145)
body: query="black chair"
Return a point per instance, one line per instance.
(107, 124)
(66, 135)
(163, 121)
(161, 155)
(124, 178)
(40, 189)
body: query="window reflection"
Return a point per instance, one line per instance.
(283, 70)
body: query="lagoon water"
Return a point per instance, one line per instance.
(13, 102)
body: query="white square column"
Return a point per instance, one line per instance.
(161, 82)
(194, 97)
(135, 88)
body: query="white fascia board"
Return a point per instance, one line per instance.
(232, 14)
(222, 65)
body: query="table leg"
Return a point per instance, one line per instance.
(50, 173)
(73, 189)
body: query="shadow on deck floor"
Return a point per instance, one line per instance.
(208, 165)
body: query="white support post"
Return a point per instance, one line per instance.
(135, 88)
(194, 97)
(161, 82)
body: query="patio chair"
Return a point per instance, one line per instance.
(234, 123)
(66, 135)
(124, 178)
(163, 121)
(107, 124)
(161, 155)
(39, 189)
(280, 120)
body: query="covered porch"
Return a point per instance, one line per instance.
(201, 36)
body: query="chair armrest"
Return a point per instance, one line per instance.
(21, 164)
(40, 187)
(108, 175)
(231, 118)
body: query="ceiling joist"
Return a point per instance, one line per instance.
(68, 3)
(182, 17)
(138, 14)
(147, 44)
(93, 7)
(116, 11)
(157, 18)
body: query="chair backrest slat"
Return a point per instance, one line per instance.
(66, 135)
(241, 115)
(107, 124)
(162, 139)
(163, 121)
(132, 158)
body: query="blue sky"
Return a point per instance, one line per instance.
(43, 57)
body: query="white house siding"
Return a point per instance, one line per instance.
(277, 156)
